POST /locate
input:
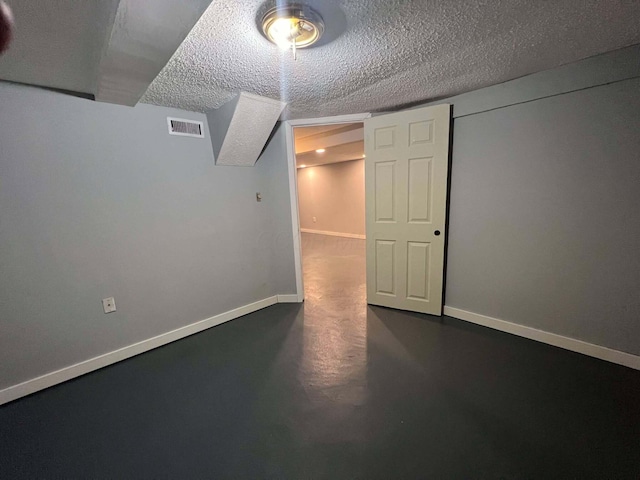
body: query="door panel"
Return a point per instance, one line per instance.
(406, 168)
(418, 276)
(385, 137)
(420, 190)
(421, 132)
(385, 267)
(385, 191)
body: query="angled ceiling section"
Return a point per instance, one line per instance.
(110, 49)
(240, 129)
(58, 43)
(392, 52)
(144, 37)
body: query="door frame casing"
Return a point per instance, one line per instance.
(293, 182)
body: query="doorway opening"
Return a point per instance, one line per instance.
(331, 205)
(406, 173)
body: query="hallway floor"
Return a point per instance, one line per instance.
(334, 389)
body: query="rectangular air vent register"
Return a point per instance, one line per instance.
(186, 128)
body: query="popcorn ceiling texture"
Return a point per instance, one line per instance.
(392, 52)
(253, 115)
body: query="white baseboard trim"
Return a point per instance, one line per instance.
(48, 380)
(53, 378)
(292, 298)
(597, 351)
(333, 234)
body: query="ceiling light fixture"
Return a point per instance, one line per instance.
(320, 150)
(292, 26)
(303, 166)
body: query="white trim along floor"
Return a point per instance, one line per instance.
(67, 373)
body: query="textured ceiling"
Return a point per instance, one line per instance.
(58, 43)
(391, 53)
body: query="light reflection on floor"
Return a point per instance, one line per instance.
(334, 358)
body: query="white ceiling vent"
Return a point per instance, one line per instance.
(187, 128)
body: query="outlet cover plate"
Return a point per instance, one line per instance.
(109, 305)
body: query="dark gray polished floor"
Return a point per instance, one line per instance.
(334, 389)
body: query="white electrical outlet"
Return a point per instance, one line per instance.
(109, 305)
(314, 219)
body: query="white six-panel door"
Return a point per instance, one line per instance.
(406, 168)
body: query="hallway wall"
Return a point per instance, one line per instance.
(334, 194)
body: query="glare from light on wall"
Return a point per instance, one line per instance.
(302, 166)
(320, 150)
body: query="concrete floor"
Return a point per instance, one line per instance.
(334, 389)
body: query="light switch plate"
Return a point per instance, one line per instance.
(109, 305)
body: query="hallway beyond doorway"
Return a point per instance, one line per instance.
(335, 269)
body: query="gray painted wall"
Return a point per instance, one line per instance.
(283, 273)
(97, 200)
(544, 220)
